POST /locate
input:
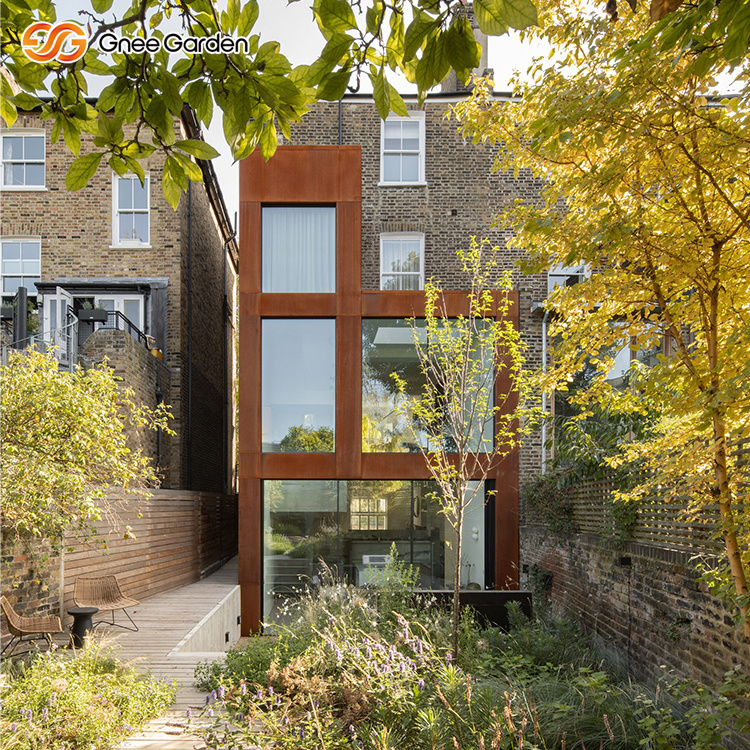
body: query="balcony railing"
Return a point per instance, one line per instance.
(115, 321)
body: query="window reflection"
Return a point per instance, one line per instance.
(353, 527)
(298, 385)
(387, 348)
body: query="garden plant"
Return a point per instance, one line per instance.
(82, 699)
(373, 669)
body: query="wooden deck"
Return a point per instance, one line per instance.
(164, 621)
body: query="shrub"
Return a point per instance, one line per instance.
(249, 664)
(77, 700)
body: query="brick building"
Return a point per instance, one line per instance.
(388, 204)
(163, 280)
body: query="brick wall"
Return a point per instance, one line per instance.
(76, 242)
(644, 614)
(142, 372)
(460, 200)
(180, 538)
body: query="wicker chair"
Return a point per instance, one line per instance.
(105, 593)
(28, 628)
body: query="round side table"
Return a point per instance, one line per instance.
(82, 623)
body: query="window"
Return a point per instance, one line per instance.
(131, 308)
(23, 159)
(21, 265)
(401, 261)
(298, 385)
(402, 149)
(130, 223)
(299, 249)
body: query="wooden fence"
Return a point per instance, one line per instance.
(660, 521)
(179, 538)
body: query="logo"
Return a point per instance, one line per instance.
(65, 42)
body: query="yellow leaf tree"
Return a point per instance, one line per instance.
(647, 181)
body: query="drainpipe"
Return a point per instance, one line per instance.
(544, 392)
(341, 127)
(227, 396)
(189, 426)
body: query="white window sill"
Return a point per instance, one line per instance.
(24, 188)
(130, 247)
(402, 184)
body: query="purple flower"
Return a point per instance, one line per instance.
(406, 633)
(13, 727)
(52, 699)
(188, 714)
(208, 699)
(352, 730)
(448, 657)
(240, 717)
(368, 653)
(210, 712)
(285, 721)
(259, 695)
(29, 715)
(45, 714)
(420, 684)
(301, 733)
(213, 695)
(243, 689)
(315, 704)
(221, 691)
(338, 655)
(278, 700)
(270, 691)
(378, 702)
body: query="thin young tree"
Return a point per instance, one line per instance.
(471, 411)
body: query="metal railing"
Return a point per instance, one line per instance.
(62, 342)
(115, 321)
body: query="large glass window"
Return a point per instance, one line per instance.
(387, 348)
(299, 249)
(23, 159)
(21, 265)
(353, 527)
(402, 261)
(298, 385)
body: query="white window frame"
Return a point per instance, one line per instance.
(419, 118)
(116, 241)
(38, 240)
(119, 301)
(16, 133)
(401, 236)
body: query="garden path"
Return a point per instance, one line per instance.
(164, 620)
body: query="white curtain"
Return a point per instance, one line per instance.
(299, 249)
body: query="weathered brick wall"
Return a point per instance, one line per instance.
(32, 586)
(205, 273)
(76, 242)
(460, 200)
(645, 614)
(142, 372)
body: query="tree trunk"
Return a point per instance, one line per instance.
(727, 521)
(457, 583)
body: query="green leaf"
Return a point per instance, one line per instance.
(72, 135)
(82, 170)
(170, 90)
(334, 86)
(462, 50)
(101, 6)
(170, 188)
(268, 140)
(375, 17)
(118, 165)
(397, 103)
(491, 20)
(381, 93)
(336, 15)
(434, 65)
(198, 149)
(248, 17)
(415, 34)
(109, 95)
(736, 43)
(192, 170)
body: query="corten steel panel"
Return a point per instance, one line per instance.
(249, 377)
(303, 174)
(250, 558)
(250, 247)
(411, 304)
(349, 257)
(394, 466)
(506, 523)
(298, 305)
(348, 396)
(298, 465)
